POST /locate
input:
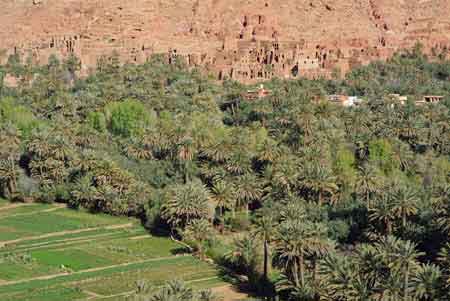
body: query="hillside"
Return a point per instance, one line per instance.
(245, 40)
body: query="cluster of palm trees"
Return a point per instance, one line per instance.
(342, 203)
(174, 290)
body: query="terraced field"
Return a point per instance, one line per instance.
(49, 252)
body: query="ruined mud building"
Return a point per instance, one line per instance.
(248, 41)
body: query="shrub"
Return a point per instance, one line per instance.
(128, 118)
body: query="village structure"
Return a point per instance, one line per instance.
(250, 42)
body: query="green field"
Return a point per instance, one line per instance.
(53, 253)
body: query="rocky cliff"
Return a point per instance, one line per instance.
(247, 40)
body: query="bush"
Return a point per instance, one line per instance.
(128, 118)
(97, 121)
(238, 223)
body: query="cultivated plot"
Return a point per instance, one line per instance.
(48, 252)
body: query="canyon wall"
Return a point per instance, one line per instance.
(246, 40)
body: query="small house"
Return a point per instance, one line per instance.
(430, 99)
(259, 93)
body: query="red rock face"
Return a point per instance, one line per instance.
(247, 40)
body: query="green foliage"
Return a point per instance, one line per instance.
(382, 155)
(295, 177)
(127, 118)
(97, 121)
(18, 115)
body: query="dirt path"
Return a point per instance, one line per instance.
(140, 237)
(14, 205)
(229, 293)
(57, 244)
(56, 207)
(93, 295)
(53, 234)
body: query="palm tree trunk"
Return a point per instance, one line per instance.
(320, 198)
(302, 268)
(314, 263)
(266, 260)
(13, 179)
(295, 273)
(186, 176)
(404, 221)
(388, 228)
(406, 284)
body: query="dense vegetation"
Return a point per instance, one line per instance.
(308, 200)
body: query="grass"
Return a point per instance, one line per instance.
(15, 270)
(167, 266)
(73, 259)
(98, 259)
(39, 223)
(74, 239)
(24, 209)
(4, 203)
(58, 294)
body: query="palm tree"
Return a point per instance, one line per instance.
(441, 208)
(8, 176)
(319, 181)
(341, 279)
(382, 212)
(248, 190)
(266, 229)
(405, 203)
(84, 193)
(427, 282)
(246, 256)
(368, 183)
(197, 232)
(138, 149)
(294, 240)
(174, 290)
(186, 154)
(444, 260)
(207, 295)
(401, 257)
(185, 203)
(224, 196)
(268, 151)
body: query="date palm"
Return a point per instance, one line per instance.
(174, 290)
(401, 257)
(341, 279)
(368, 183)
(8, 176)
(266, 229)
(269, 151)
(248, 190)
(197, 232)
(185, 203)
(84, 193)
(247, 257)
(427, 282)
(444, 260)
(405, 202)
(383, 213)
(320, 181)
(294, 241)
(441, 208)
(223, 194)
